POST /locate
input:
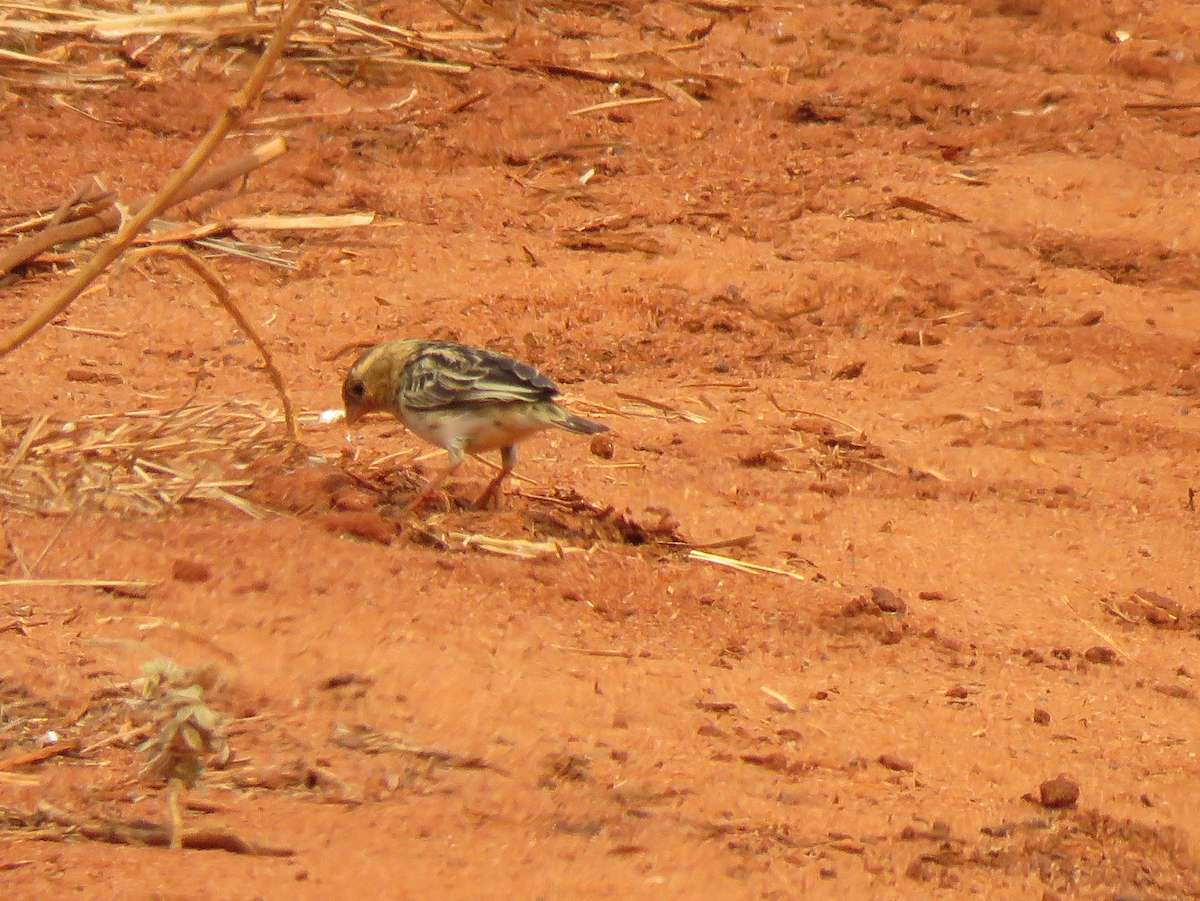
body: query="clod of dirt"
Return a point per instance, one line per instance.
(922, 869)
(763, 459)
(716, 706)
(914, 338)
(565, 767)
(309, 489)
(367, 526)
(896, 763)
(1155, 608)
(1058, 793)
(850, 371)
(91, 376)
(1101, 655)
(341, 680)
(830, 489)
(1091, 317)
(1176, 691)
(355, 500)
(777, 762)
(191, 571)
(1029, 397)
(887, 601)
(603, 446)
(1041, 717)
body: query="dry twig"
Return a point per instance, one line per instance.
(225, 299)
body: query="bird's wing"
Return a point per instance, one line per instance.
(444, 374)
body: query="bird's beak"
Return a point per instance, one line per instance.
(353, 415)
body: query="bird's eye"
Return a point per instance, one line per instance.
(356, 390)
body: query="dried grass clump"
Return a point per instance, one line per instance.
(66, 46)
(143, 462)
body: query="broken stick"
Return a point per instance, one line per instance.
(108, 219)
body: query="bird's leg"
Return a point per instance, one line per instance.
(455, 459)
(508, 462)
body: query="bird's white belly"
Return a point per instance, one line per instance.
(475, 431)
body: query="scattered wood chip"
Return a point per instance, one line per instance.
(515, 547)
(616, 104)
(741, 565)
(31, 757)
(715, 706)
(921, 206)
(896, 763)
(298, 223)
(778, 702)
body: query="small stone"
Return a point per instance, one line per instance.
(1091, 317)
(191, 571)
(367, 526)
(354, 500)
(91, 376)
(1030, 397)
(896, 763)
(1058, 793)
(887, 600)
(1041, 717)
(830, 489)
(603, 446)
(850, 371)
(915, 338)
(921, 870)
(1176, 691)
(1101, 655)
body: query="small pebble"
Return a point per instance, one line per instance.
(1058, 793)
(896, 763)
(887, 600)
(1101, 655)
(603, 447)
(190, 571)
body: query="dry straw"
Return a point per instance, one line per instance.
(146, 462)
(69, 47)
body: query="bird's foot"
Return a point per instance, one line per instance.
(492, 495)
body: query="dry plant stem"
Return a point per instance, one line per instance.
(77, 195)
(173, 790)
(109, 218)
(163, 199)
(213, 281)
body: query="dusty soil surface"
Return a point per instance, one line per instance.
(900, 305)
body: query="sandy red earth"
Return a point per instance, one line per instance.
(900, 306)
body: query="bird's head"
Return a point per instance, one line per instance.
(368, 385)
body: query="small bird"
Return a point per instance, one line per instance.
(465, 399)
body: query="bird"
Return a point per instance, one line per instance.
(462, 398)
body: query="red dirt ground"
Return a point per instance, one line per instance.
(917, 287)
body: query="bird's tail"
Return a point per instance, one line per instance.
(565, 419)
